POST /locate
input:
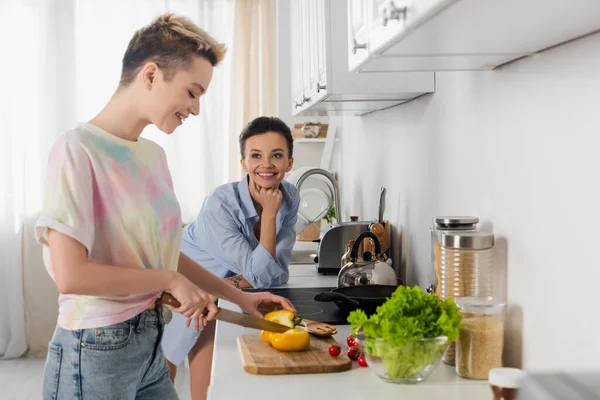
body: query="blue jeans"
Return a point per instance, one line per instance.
(122, 361)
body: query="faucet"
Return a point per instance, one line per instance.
(330, 177)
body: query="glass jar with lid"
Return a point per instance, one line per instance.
(466, 269)
(481, 337)
(446, 224)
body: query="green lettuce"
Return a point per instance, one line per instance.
(409, 314)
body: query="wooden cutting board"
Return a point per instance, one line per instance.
(261, 359)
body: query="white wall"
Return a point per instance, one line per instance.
(517, 147)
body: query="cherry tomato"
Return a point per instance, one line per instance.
(334, 350)
(350, 340)
(353, 353)
(362, 362)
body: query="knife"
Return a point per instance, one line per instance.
(233, 317)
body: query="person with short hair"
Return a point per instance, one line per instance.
(111, 227)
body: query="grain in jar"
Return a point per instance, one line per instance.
(481, 336)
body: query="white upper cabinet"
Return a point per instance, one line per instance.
(357, 32)
(385, 19)
(442, 35)
(321, 82)
(296, 56)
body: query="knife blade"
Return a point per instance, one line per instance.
(249, 321)
(233, 317)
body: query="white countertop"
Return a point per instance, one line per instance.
(229, 380)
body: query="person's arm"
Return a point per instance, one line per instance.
(219, 231)
(75, 274)
(66, 226)
(238, 281)
(206, 280)
(286, 238)
(249, 302)
(268, 232)
(270, 201)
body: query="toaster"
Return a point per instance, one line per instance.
(332, 245)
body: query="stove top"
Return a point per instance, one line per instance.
(308, 307)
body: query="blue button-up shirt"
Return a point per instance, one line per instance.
(222, 238)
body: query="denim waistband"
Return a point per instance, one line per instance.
(149, 317)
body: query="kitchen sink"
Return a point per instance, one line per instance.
(304, 253)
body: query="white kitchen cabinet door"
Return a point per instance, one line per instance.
(321, 84)
(321, 81)
(296, 54)
(306, 23)
(426, 8)
(306, 29)
(358, 32)
(385, 19)
(311, 64)
(459, 35)
(388, 18)
(315, 60)
(313, 57)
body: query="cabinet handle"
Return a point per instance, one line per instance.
(299, 104)
(319, 87)
(305, 100)
(358, 46)
(393, 12)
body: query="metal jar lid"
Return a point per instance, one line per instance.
(449, 222)
(468, 240)
(480, 305)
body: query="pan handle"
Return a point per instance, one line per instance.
(332, 296)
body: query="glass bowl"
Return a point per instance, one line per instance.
(412, 362)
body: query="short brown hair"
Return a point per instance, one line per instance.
(262, 125)
(170, 41)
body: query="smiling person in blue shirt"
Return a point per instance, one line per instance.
(244, 234)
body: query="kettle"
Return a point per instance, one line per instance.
(372, 269)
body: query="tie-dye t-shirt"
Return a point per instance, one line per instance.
(116, 198)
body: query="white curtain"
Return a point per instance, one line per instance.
(195, 152)
(21, 125)
(254, 81)
(60, 63)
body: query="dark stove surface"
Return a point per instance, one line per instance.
(308, 307)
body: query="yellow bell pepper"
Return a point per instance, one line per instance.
(292, 340)
(266, 336)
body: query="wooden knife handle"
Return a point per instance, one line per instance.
(167, 298)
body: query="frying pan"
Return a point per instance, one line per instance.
(366, 298)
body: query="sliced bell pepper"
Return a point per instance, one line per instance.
(292, 340)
